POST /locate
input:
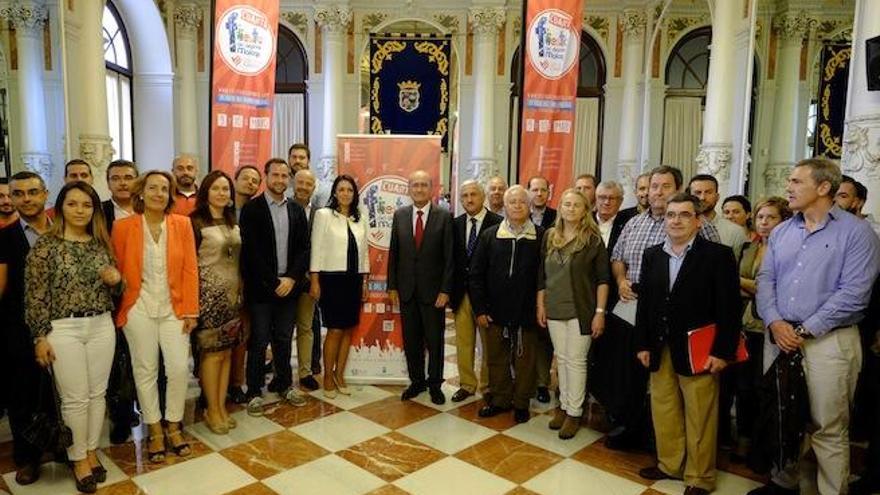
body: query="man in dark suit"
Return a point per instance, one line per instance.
(21, 372)
(466, 229)
(608, 215)
(420, 274)
(121, 175)
(686, 283)
(543, 216)
(274, 261)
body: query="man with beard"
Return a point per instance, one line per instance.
(247, 183)
(185, 168)
(7, 211)
(495, 195)
(586, 185)
(22, 375)
(705, 188)
(642, 184)
(851, 196)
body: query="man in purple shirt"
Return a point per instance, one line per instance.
(813, 288)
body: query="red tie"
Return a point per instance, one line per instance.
(420, 229)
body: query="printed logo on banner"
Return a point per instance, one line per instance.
(382, 196)
(246, 43)
(552, 43)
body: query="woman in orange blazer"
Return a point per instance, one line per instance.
(160, 305)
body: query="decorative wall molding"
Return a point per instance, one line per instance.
(714, 159)
(834, 29)
(600, 24)
(333, 18)
(97, 150)
(675, 25)
(299, 20)
(450, 21)
(861, 147)
(633, 22)
(517, 27)
(793, 25)
(480, 170)
(487, 20)
(187, 18)
(370, 20)
(26, 17)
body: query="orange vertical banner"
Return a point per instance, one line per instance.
(381, 166)
(243, 82)
(552, 42)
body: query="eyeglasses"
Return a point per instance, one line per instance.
(684, 215)
(602, 197)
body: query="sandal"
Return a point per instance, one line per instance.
(156, 456)
(175, 438)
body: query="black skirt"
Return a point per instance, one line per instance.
(340, 299)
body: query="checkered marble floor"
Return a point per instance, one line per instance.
(372, 442)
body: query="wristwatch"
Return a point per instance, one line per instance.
(802, 332)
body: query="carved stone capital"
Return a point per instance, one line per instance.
(26, 17)
(333, 18)
(299, 21)
(714, 159)
(861, 147)
(480, 170)
(39, 163)
(97, 150)
(793, 25)
(627, 171)
(487, 20)
(517, 27)
(633, 22)
(187, 18)
(776, 178)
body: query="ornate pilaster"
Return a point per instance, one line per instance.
(187, 18)
(334, 21)
(714, 159)
(26, 17)
(486, 20)
(333, 18)
(861, 147)
(39, 163)
(775, 178)
(97, 150)
(633, 22)
(793, 25)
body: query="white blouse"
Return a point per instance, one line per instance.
(155, 294)
(330, 241)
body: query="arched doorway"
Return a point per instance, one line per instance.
(290, 122)
(589, 110)
(117, 60)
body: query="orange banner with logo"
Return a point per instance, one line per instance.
(381, 166)
(552, 43)
(243, 83)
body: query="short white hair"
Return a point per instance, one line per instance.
(515, 189)
(610, 184)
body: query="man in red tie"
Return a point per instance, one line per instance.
(420, 273)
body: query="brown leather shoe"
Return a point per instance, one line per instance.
(693, 490)
(460, 395)
(27, 474)
(570, 427)
(558, 419)
(654, 473)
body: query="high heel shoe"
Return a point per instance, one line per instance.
(86, 484)
(343, 389)
(175, 439)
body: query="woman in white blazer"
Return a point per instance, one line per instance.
(339, 276)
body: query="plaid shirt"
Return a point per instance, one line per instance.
(642, 232)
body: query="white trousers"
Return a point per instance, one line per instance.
(832, 364)
(570, 348)
(83, 357)
(146, 336)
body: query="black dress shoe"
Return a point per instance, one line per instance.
(237, 395)
(412, 392)
(489, 410)
(99, 473)
(773, 489)
(309, 383)
(693, 490)
(655, 474)
(437, 396)
(543, 395)
(27, 474)
(460, 395)
(521, 415)
(119, 433)
(87, 484)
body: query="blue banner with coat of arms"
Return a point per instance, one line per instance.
(409, 84)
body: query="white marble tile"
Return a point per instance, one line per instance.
(249, 428)
(450, 370)
(57, 479)
(449, 350)
(447, 433)
(572, 477)
(725, 484)
(451, 475)
(339, 431)
(328, 475)
(536, 432)
(360, 395)
(5, 432)
(212, 474)
(425, 398)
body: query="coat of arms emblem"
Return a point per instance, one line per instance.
(408, 96)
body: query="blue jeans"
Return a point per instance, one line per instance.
(270, 322)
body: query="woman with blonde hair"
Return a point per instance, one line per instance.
(573, 290)
(71, 279)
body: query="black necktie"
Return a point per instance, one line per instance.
(472, 238)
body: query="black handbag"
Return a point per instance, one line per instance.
(46, 430)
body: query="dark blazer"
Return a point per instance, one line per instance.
(109, 214)
(548, 219)
(259, 263)
(620, 220)
(705, 291)
(462, 262)
(428, 271)
(14, 249)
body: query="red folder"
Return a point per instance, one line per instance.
(700, 343)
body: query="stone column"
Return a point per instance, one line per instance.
(633, 27)
(486, 22)
(715, 152)
(861, 143)
(186, 20)
(29, 18)
(791, 28)
(334, 21)
(94, 139)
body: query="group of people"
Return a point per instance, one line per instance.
(669, 314)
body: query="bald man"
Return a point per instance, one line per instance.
(420, 275)
(495, 194)
(184, 168)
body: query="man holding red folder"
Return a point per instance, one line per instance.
(687, 283)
